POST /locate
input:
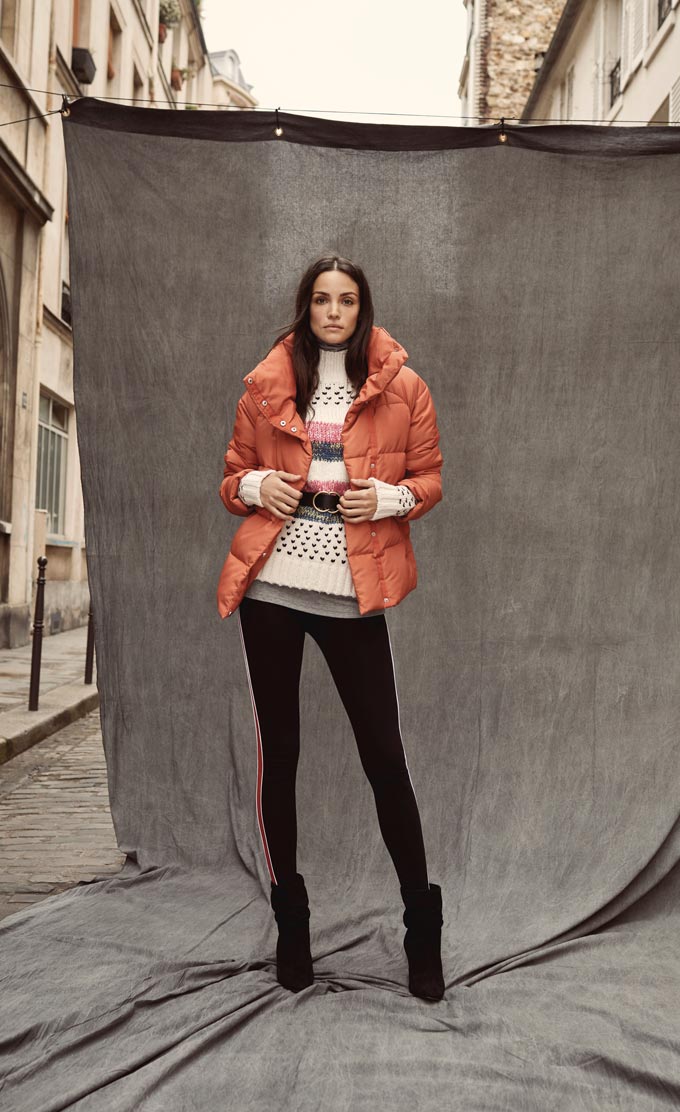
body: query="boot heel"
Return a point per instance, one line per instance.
(422, 941)
(290, 902)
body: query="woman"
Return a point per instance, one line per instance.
(324, 549)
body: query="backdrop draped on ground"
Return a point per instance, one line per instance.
(534, 283)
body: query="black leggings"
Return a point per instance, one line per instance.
(359, 655)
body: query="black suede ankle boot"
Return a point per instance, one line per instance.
(422, 942)
(293, 958)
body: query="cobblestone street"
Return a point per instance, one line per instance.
(55, 823)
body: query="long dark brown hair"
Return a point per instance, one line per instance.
(306, 352)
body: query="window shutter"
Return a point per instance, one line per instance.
(637, 28)
(674, 105)
(597, 55)
(625, 41)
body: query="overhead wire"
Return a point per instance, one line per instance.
(259, 108)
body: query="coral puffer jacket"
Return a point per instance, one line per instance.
(390, 432)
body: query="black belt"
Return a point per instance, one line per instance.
(323, 500)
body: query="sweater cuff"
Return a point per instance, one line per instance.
(393, 501)
(249, 487)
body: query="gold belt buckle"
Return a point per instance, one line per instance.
(322, 509)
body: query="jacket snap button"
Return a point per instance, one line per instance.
(282, 422)
(264, 403)
(249, 380)
(386, 600)
(264, 553)
(229, 613)
(372, 465)
(372, 533)
(293, 428)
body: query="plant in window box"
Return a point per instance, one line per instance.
(169, 14)
(177, 76)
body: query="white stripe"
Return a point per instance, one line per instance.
(398, 714)
(399, 724)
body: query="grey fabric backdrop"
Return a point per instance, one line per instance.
(534, 284)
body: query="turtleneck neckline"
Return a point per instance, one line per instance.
(333, 347)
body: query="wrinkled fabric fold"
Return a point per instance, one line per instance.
(537, 664)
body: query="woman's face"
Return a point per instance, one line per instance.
(334, 306)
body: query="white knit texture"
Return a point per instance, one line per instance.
(393, 501)
(249, 487)
(311, 549)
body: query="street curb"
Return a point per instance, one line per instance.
(25, 737)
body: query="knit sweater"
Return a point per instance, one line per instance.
(309, 569)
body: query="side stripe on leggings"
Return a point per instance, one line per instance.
(394, 673)
(260, 760)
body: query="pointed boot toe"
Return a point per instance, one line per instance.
(422, 942)
(290, 902)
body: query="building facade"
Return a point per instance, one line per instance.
(589, 61)
(611, 60)
(149, 53)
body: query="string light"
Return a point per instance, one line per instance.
(324, 111)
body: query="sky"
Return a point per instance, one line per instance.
(347, 61)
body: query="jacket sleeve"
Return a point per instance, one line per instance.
(424, 460)
(240, 457)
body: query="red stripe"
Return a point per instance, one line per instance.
(336, 485)
(327, 431)
(260, 763)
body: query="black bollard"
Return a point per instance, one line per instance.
(38, 625)
(89, 651)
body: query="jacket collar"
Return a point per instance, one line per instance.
(273, 379)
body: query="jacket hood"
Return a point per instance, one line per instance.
(273, 379)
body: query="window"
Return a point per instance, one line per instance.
(52, 454)
(612, 51)
(114, 56)
(570, 92)
(8, 23)
(567, 95)
(137, 86)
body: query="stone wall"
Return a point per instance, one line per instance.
(514, 34)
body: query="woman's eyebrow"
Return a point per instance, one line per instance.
(347, 293)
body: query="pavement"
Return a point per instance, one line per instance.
(63, 696)
(55, 822)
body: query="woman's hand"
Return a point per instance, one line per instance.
(278, 496)
(358, 505)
